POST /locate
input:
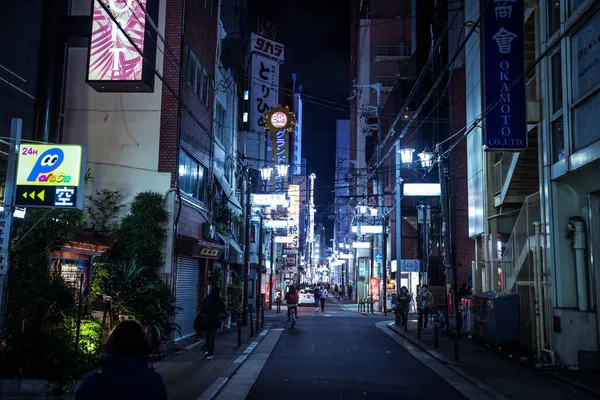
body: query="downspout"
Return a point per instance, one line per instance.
(576, 231)
(539, 309)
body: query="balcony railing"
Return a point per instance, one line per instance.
(515, 258)
(392, 51)
(501, 170)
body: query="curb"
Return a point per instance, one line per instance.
(454, 366)
(215, 388)
(571, 382)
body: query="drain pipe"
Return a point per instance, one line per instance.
(576, 231)
(539, 309)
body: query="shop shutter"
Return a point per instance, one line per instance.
(187, 295)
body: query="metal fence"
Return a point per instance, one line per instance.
(501, 169)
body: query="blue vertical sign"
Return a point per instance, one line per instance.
(504, 63)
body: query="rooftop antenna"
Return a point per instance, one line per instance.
(294, 82)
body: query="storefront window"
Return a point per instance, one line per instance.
(558, 140)
(585, 82)
(71, 271)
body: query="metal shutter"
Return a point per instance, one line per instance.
(187, 295)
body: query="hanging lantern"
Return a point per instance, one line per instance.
(406, 155)
(426, 158)
(282, 170)
(265, 172)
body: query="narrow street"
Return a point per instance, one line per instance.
(342, 355)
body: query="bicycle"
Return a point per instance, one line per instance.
(293, 313)
(437, 318)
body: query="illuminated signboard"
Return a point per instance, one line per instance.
(50, 176)
(422, 189)
(115, 63)
(266, 47)
(275, 224)
(293, 215)
(268, 200)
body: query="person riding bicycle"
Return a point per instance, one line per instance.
(292, 297)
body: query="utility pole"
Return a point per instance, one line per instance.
(384, 262)
(6, 215)
(447, 242)
(272, 268)
(248, 211)
(259, 271)
(398, 231)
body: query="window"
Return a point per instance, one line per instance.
(192, 177)
(204, 91)
(556, 111)
(557, 100)
(574, 5)
(229, 169)
(558, 140)
(196, 76)
(220, 123)
(553, 12)
(585, 83)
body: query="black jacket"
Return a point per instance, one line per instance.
(211, 309)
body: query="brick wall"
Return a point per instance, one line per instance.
(464, 247)
(169, 121)
(194, 124)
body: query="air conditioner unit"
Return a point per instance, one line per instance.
(208, 231)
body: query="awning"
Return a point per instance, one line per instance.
(236, 254)
(199, 248)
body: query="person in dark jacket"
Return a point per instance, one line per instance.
(125, 374)
(210, 317)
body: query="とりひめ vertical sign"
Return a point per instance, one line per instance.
(50, 175)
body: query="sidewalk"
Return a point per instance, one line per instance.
(502, 376)
(188, 375)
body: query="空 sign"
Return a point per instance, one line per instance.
(122, 48)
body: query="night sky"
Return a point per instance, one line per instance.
(316, 35)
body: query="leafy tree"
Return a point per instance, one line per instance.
(38, 339)
(129, 270)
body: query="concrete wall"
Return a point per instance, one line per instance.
(120, 130)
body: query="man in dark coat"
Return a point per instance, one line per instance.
(209, 319)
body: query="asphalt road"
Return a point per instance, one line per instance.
(343, 355)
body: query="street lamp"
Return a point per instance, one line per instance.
(406, 155)
(282, 170)
(362, 209)
(373, 211)
(426, 158)
(265, 172)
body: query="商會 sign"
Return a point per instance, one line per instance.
(504, 65)
(50, 175)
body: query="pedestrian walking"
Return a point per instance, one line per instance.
(317, 297)
(335, 290)
(424, 303)
(209, 319)
(124, 373)
(402, 306)
(322, 297)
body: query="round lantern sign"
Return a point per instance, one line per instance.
(279, 119)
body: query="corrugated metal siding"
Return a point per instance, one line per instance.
(187, 294)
